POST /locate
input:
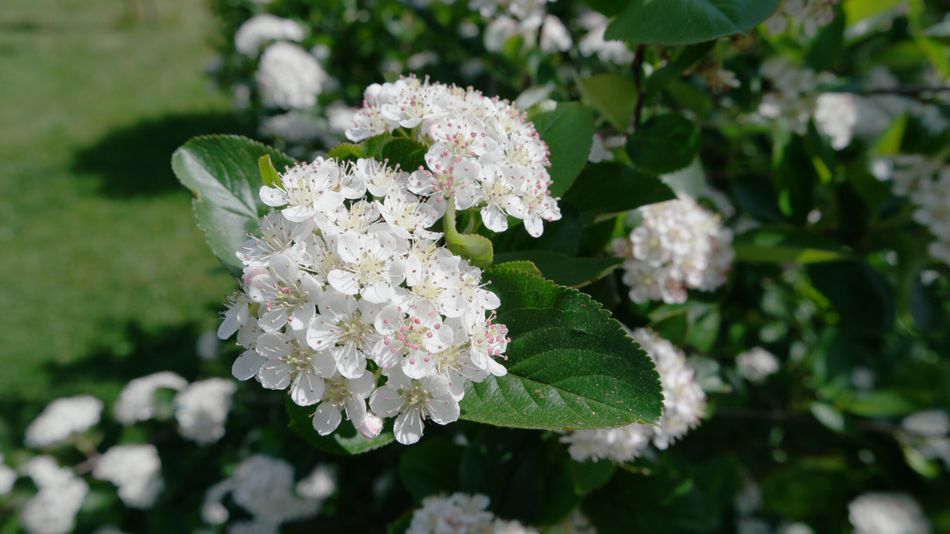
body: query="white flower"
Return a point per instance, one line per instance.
(137, 400)
(135, 470)
(456, 514)
(928, 423)
(481, 153)
(601, 149)
(554, 36)
(202, 408)
(887, 513)
(679, 245)
(684, 404)
(261, 29)
(318, 485)
(594, 44)
(7, 478)
(63, 418)
(264, 487)
(343, 395)
(54, 507)
(414, 401)
(809, 15)
(288, 77)
(757, 364)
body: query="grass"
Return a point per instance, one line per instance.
(100, 260)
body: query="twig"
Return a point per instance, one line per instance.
(637, 67)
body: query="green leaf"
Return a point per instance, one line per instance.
(675, 68)
(570, 365)
(562, 269)
(409, 155)
(430, 467)
(476, 248)
(614, 96)
(345, 440)
(861, 296)
(785, 245)
(881, 403)
(568, 132)
(347, 152)
(664, 144)
(222, 172)
(679, 22)
(796, 178)
(589, 476)
(269, 175)
(606, 189)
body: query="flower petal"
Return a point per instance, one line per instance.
(326, 419)
(408, 427)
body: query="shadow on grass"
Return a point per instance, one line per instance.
(136, 160)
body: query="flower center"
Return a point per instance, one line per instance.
(415, 396)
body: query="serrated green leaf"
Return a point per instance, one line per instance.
(664, 144)
(347, 152)
(614, 96)
(222, 171)
(345, 440)
(409, 155)
(570, 365)
(606, 189)
(679, 22)
(563, 269)
(568, 132)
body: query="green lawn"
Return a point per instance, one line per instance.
(100, 261)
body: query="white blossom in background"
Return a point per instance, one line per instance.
(289, 77)
(265, 28)
(684, 404)
(887, 513)
(757, 364)
(136, 471)
(927, 431)
(594, 44)
(678, 245)
(264, 488)
(790, 102)
(460, 513)
(602, 148)
(810, 15)
(63, 418)
(349, 287)
(59, 497)
(554, 36)
(201, 409)
(482, 152)
(926, 182)
(319, 484)
(136, 402)
(7, 477)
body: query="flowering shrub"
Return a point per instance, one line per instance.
(551, 266)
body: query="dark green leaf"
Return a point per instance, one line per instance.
(222, 172)
(568, 132)
(564, 270)
(589, 476)
(664, 144)
(430, 467)
(611, 188)
(409, 155)
(570, 365)
(345, 440)
(860, 295)
(612, 95)
(347, 152)
(679, 22)
(785, 245)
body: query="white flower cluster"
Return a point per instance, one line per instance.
(810, 15)
(482, 152)
(757, 364)
(684, 404)
(7, 477)
(524, 18)
(261, 29)
(678, 245)
(790, 102)
(63, 418)
(264, 488)
(887, 513)
(926, 182)
(135, 470)
(201, 408)
(594, 44)
(460, 513)
(929, 433)
(54, 507)
(289, 77)
(341, 289)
